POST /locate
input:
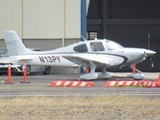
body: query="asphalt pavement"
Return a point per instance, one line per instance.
(38, 85)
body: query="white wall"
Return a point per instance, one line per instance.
(47, 20)
(73, 19)
(10, 15)
(41, 19)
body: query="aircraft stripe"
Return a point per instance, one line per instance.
(70, 53)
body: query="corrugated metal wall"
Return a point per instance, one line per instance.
(10, 15)
(42, 24)
(41, 19)
(128, 22)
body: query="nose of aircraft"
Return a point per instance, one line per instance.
(136, 55)
(150, 52)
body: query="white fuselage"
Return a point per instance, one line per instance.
(92, 53)
(104, 50)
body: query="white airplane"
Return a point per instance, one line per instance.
(100, 53)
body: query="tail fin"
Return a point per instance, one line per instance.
(14, 43)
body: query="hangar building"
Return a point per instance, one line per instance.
(44, 24)
(49, 24)
(42, 21)
(128, 22)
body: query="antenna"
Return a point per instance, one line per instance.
(82, 37)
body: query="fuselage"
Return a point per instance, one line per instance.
(100, 53)
(108, 47)
(99, 47)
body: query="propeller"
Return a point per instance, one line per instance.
(151, 61)
(150, 58)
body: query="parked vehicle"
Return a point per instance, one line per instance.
(2, 51)
(17, 68)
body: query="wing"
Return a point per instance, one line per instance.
(97, 59)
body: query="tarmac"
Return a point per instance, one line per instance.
(148, 75)
(38, 85)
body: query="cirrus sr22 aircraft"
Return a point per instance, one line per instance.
(100, 53)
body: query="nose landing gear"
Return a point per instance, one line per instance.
(138, 75)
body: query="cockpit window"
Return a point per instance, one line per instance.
(81, 48)
(113, 45)
(96, 46)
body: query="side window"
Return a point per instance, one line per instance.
(81, 48)
(96, 46)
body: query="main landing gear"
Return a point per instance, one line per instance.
(92, 75)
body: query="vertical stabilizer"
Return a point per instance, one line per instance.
(14, 44)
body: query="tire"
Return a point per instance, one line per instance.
(28, 69)
(47, 70)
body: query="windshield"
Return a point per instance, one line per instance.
(113, 45)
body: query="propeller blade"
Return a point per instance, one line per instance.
(149, 35)
(151, 61)
(152, 65)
